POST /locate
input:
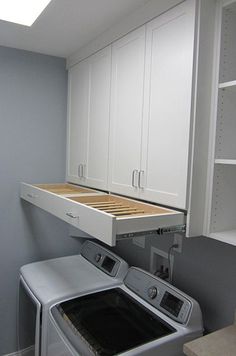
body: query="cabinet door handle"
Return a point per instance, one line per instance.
(83, 170)
(80, 170)
(140, 175)
(73, 216)
(134, 174)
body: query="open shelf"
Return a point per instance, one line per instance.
(227, 236)
(225, 161)
(228, 48)
(223, 221)
(228, 85)
(225, 144)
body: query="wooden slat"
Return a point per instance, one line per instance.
(113, 206)
(131, 212)
(122, 209)
(101, 203)
(118, 206)
(104, 205)
(116, 209)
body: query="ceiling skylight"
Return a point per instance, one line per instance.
(23, 12)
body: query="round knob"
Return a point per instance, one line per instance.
(98, 257)
(152, 292)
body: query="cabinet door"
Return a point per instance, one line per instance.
(167, 106)
(77, 121)
(126, 112)
(98, 119)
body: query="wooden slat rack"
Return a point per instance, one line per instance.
(119, 206)
(104, 216)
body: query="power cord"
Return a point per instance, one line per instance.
(169, 262)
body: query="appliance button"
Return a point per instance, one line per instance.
(152, 292)
(98, 257)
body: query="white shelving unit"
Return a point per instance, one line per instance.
(221, 218)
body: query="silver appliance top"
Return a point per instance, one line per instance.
(59, 278)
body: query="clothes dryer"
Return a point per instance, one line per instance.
(142, 316)
(47, 282)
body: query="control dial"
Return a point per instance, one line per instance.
(152, 292)
(98, 257)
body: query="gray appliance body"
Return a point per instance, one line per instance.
(141, 316)
(47, 282)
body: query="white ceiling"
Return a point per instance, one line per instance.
(67, 25)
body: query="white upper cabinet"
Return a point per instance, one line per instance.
(139, 116)
(98, 119)
(88, 120)
(167, 106)
(78, 88)
(152, 70)
(128, 56)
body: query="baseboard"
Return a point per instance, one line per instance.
(29, 351)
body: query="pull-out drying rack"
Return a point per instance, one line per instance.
(104, 216)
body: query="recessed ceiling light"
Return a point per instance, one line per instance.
(23, 12)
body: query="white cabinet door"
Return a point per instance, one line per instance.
(126, 112)
(77, 121)
(167, 106)
(98, 119)
(88, 120)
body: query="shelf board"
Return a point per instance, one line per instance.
(228, 85)
(225, 161)
(228, 236)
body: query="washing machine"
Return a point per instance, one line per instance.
(144, 315)
(47, 282)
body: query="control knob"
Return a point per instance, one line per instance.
(98, 257)
(152, 292)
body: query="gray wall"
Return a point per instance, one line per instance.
(33, 91)
(206, 270)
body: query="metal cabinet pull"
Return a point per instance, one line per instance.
(83, 170)
(140, 175)
(73, 216)
(134, 174)
(80, 170)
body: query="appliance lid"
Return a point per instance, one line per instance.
(55, 279)
(110, 322)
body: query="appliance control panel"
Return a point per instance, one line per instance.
(160, 294)
(103, 259)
